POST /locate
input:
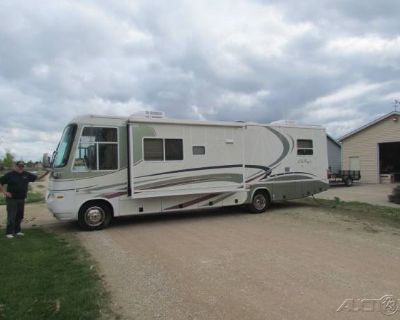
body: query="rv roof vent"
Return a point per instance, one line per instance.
(149, 114)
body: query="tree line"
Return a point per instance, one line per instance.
(7, 161)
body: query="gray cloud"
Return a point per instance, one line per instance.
(334, 63)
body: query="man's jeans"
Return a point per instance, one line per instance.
(15, 214)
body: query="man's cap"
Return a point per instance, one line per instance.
(20, 163)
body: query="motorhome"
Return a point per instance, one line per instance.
(107, 166)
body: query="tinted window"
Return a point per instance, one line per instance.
(199, 150)
(305, 152)
(97, 149)
(304, 143)
(101, 134)
(108, 156)
(64, 147)
(153, 149)
(304, 147)
(173, 149)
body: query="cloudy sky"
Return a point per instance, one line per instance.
(330, 62)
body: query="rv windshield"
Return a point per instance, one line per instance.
(64, 147)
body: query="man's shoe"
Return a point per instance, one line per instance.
(9, 236)
(20, 233)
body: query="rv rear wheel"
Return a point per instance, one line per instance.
(94, 216)
(260, 202)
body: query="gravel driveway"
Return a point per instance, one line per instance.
(293, 262)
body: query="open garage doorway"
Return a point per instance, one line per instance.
(389, 160)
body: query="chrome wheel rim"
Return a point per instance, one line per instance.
(94, 216)
(259, 202)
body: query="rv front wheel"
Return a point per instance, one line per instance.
(94, 216)
(260, 202)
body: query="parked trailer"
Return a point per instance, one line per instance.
(346, 177)
(106, 167)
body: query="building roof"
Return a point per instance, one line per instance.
(334, 140)
(384, 117)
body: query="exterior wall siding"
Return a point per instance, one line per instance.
(364, 144)
(334, 156)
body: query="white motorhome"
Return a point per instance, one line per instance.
(106, 166)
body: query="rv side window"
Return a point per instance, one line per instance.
(199, 150)
(173, 149)
(108, 156)
(304, 147)
(153, 149)
(97, 149)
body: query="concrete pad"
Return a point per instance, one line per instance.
(376, 194)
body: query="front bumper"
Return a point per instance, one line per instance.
(61, 206)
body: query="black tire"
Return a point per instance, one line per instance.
(260, 202)
(348, 182)
(95, 215)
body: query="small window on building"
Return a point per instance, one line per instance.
(153, 149)
(304, 147)
(173, 149)
(199, 150)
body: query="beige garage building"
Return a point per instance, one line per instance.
(374, 149)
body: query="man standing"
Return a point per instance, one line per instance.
(17, 188)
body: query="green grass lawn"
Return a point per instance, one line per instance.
(31, 198)
(359, 210)
(43, 276)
